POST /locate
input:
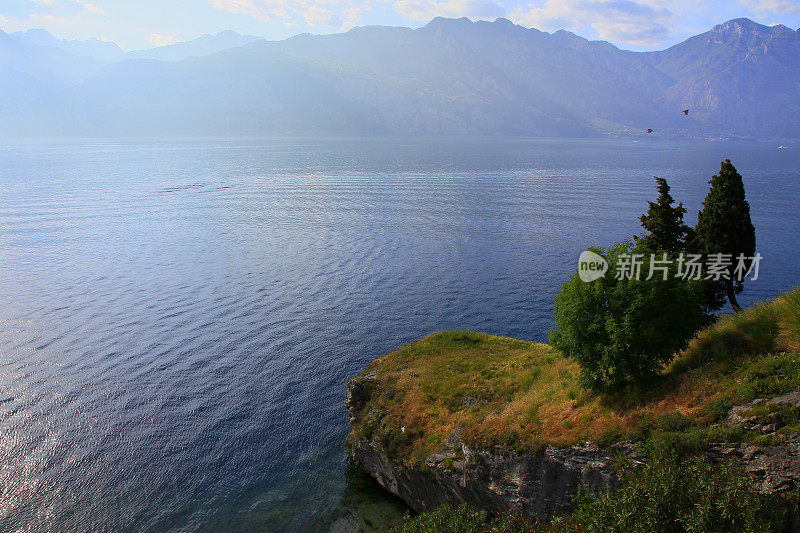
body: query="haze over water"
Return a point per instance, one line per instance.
(178, 318)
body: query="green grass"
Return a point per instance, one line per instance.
(512, 394)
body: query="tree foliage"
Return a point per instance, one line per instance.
(663, 223)
(625, 330)
(724, 226)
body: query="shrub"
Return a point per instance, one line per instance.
(671, 495)
(463, 518)
(625, 330)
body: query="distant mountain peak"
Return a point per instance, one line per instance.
(565, 34)
(444, 21)
(455, 22)
(740, 23)
(502, 21)
(94, 48)
(225, 34)
(38, 31)
(745, 26)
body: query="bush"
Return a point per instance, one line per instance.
(463, 518)
(670, 495)
(625, 330)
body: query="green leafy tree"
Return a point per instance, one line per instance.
(724, 227)
(663, 223)
(624, 330)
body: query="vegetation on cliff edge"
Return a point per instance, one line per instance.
(510, 394)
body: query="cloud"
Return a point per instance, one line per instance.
(91, 8)
(762, 7)
(348, 13)
(423, 10)
(352, 17)
(31, 12)
(43, 19)
(637, 22)
(240, 7)
(291, 12)
(159, 39)
(320, 16)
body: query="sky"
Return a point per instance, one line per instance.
(137, 24)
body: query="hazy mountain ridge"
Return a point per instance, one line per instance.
(94, 48)
(740, 75)
(452, 76)
(99, 52)
(43, 60)
(202, 46)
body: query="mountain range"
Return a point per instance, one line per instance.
(451, 76)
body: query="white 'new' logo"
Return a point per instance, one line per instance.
(591, 266)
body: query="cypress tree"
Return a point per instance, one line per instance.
(664, 222)
(724, 226)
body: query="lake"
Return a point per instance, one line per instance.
(178, 317)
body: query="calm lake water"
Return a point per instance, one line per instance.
(178, 318)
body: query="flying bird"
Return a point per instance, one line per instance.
(649, 130)
(685, 111)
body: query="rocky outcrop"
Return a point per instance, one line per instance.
(535, 484)
(541, 484)
(358, 391)
(775, 467)
(743, 414)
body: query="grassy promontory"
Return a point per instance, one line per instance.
(509, 394)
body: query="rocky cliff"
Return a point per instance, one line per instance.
(543, 483)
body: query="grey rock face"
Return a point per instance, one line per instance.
(738, 413)
(535, 484)
(775, 468)
(358, 390)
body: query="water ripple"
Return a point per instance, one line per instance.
(177, 319)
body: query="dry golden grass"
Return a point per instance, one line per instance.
(513, 394)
